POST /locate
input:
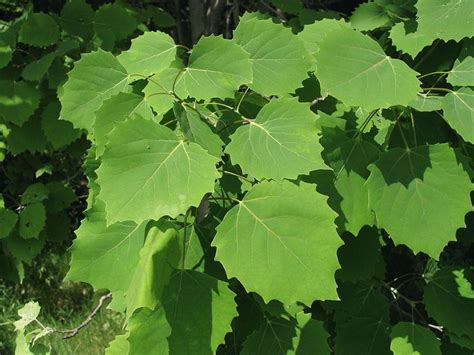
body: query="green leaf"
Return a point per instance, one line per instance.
(280, 241)
(7, 43)
(406, 39)
(426, 103)
(23, 250)
(149, 53)
(28, 313)
(32, 220)
(105, 256)
(18, 101)
(462, 73)
(369, 16)
(8, 220)
(362, 321)
(157, 92)
(190, 298)
(113, 23)
(77, 18)
(60, 197)
(37, 69)
(39, 30)
(114, 110)
(282, 142)
(361, 257)
(160, 253)
(274, 336)
(445, 19)
(149, 331)
(458, 109)
(5, 55)
(195, 298)
(37, 192)
(197, 131)
(409, 190)
(217, 68)
(95, 77)
(161, 18)
(279, 60)
(315, 33)
(447, 302)
(119, 345)
(58, 132)
(27, 138)
(411, 338)
(148, 173)
(350, 157)
(290, 6)
(311, 338)
(369, 78)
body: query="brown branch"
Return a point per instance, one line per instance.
(73, 332)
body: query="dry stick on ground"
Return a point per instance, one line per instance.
(72, 332)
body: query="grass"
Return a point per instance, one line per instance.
(64, 305)
(91, 340)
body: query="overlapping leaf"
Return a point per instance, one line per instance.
(95, 77)
(114, 110)
(282, 142)
(410, 338)
(113, 248)
(280, 61)
(190, 298)
(217, 67)
(148, 173)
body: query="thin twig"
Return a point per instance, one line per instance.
(73, 332)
